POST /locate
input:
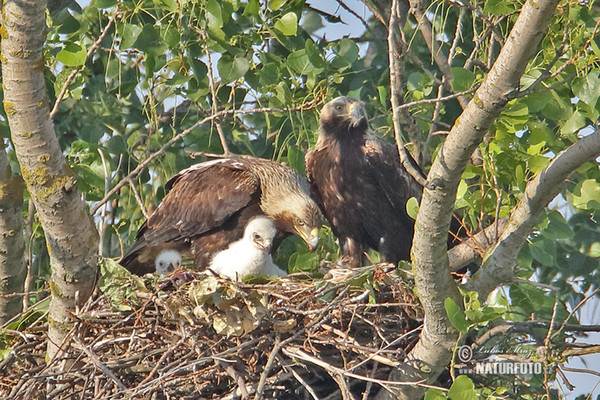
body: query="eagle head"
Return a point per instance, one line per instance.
(343, 115)
(261, 231)
(304, 221)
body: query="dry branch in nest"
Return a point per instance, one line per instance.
(290, 338)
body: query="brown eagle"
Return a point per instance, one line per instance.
(209, 204)
(360, 185)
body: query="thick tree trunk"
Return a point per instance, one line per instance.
(71, 236)
(432, 353)
(12, 245)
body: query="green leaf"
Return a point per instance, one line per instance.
(288, 24)
(499, 7)
(232, 69)
(276, 4)
(300, 62)
(463, 79)
(587, 88)
(462, 389)
(544, 251)
(435, 394)
(129, 34)
(456, 315)
(67, 24)
(558, 227)
(169, 5)
(586, 195)
(347, 53)
(214, 14)
(311, 21)
(105, 3)
(537, 163)
(573, 124)
(149, 40)
(595, 250)
(72, 55)
(412, 207)
(252, 8)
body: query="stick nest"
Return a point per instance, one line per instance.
(210, 338)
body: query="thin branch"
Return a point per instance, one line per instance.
(499, 266)
(138, 199)
(418, 10)
(394, 82)
(439, 99)
(74, 73)
(577, 307)
(102, 222)
(583, 371)
(96, 361)
(297, 353)
(476, 246)
(213, 93)
(267, 368)
(354, 13)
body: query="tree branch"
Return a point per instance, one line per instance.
(394, 95)
(74, 73)
(433, 351)
(499, 267)
(12, 244)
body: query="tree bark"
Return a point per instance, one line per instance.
(12, 244)
(432, 353)
(70, 233)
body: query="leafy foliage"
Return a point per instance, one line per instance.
(159, 67)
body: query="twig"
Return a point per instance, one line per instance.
(577, 307)
(102, 222)
(98, 364)
(267, 369)
(394, 78)
(213, 93)
(296, 352)
(138, 199)
(439, 99)
(306, 386)
(73, 73)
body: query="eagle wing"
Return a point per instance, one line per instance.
(395, 181)
(201, 198)
(310, 160)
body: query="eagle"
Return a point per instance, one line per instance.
(251, 255)
(208, 205)
(361, 185)
(167, 261)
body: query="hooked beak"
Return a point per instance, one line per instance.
(171, 267)
(264, 246)
(311, 238)
(356, 114)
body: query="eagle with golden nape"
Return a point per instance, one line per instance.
(361, 185)
(208, 206)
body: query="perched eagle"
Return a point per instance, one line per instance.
(167, 261)
(251, 255)
(360, 185)
(209, 204)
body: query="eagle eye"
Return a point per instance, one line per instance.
(256, 236)
(299, 222)
(339, 107)
(161, 263)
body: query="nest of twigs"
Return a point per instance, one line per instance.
(290, 338)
